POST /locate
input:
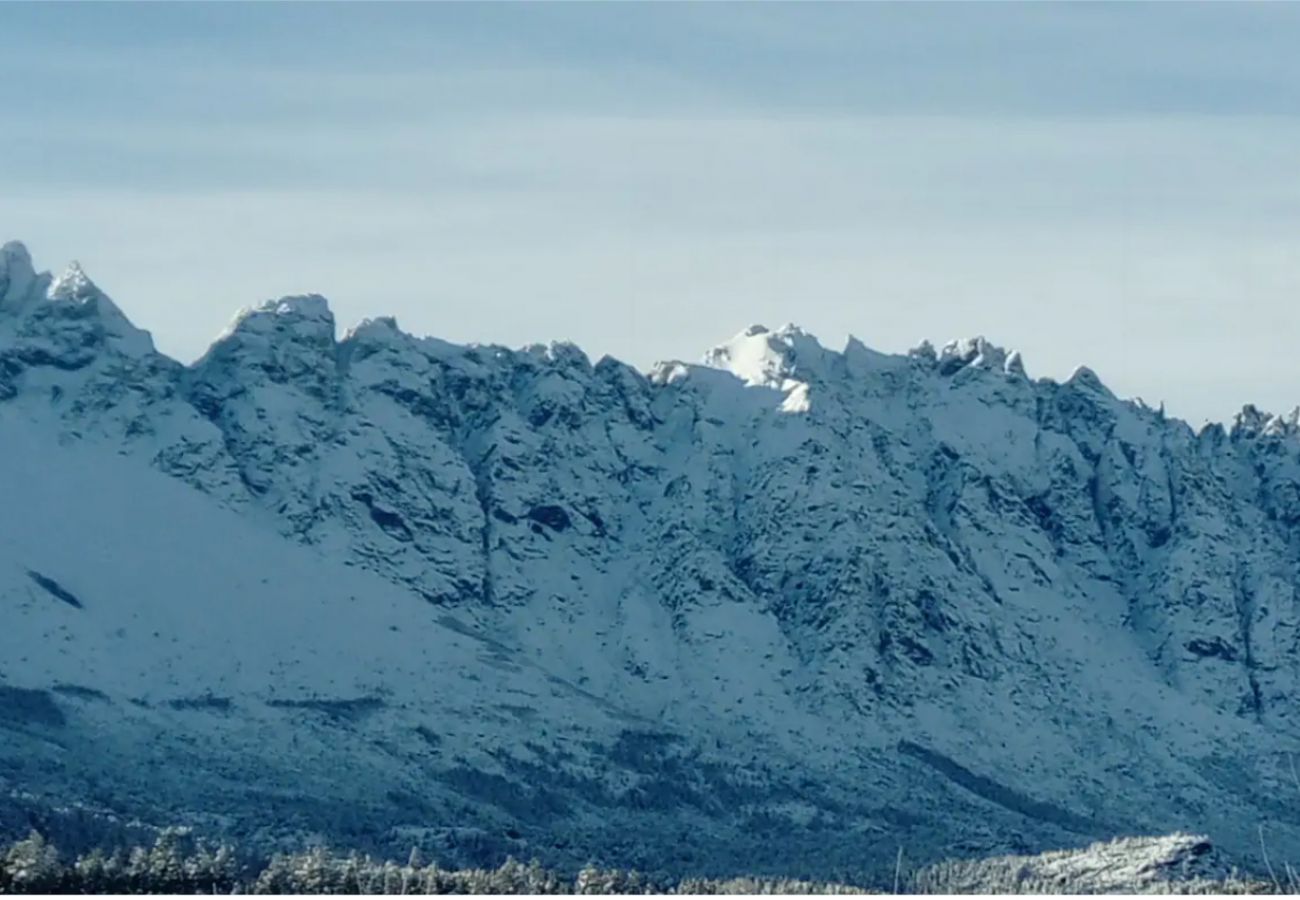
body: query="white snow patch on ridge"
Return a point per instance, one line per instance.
(72, 284)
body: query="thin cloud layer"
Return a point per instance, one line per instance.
(1093, 184)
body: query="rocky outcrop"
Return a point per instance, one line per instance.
(1171, 864)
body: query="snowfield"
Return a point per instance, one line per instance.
(780, 612)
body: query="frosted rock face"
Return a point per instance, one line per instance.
(804, 603)
(1176, 863)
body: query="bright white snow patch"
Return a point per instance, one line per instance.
(763, 358)
(754, 356)
(73, 284)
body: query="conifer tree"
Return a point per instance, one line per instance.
(31, 866)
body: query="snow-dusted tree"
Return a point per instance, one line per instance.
(223, 871)
(540, 880)
(276, 878)
(349, 878)
(31, 866)
(310, 871)
(115, 872)
(434, 880)
(392, 880)
(91, 873)
(588, 880)
(136, 871)
(510, 877)
(165, 872)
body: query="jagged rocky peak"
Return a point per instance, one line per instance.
(968, 353)
(380, 329)
(1255, 422)
(761, 357)
(73, 284)
(668, 371)
(306, 315)
(923, 351)
(752, 356)
(74, 320)
(302, 321)
(289, 340)
(1014, 363)
(13, 251)
(16, 273)
(973, 352)
(564, 354)
(373, 336)
(1086, 379)
(860, 357)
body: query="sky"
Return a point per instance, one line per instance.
(1095, 184)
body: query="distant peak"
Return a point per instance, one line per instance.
(923, 351)
(1255, 422)
(16, 273)
(304, 306)
(304, 312)
(1014, 364)
(1084, 377)
(756, 356)
(561, 353)
(76, 315)
(12, 251)
(789, 329)
(969, 353)
(971, 349)
(72, 284)
(379, 328)
(787, 360)
(567, 353)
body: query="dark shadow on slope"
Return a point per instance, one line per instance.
(54, 589)
(203, 702)
(511, 659)
(453, 624)
(81, 692)
(389, 522)
(23, 706)
(349, 710)
(1000, 794)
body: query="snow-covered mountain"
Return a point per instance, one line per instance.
(786, 610)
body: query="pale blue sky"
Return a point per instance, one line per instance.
(1110, 185)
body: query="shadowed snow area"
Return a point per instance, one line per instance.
(780, 612)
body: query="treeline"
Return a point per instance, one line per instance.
(175, 864)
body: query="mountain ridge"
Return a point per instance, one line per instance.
(956, 353)
(811, 602)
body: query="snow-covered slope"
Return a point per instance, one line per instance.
(784, 610)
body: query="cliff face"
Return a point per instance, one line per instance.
(804, 605)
